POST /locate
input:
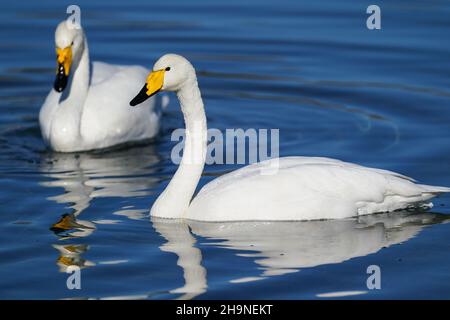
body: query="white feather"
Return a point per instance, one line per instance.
(94, 111)
(305, 188)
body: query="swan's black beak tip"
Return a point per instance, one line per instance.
(61, 79)
(140, 97)
(58, 88)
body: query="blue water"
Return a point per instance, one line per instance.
(313, 70)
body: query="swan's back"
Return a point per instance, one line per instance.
(305, 188)
(105, 117)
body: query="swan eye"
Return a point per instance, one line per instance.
(71, 43)
(168, 69)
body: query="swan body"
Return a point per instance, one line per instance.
(91, 112)
(300, 188)
(305, 188)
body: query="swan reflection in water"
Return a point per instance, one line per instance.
(278, 248)
(86, 176)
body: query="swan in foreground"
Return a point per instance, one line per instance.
(90, 113)
(301, 188)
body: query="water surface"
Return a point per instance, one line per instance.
(314, 71)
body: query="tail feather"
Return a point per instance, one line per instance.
(434, 189)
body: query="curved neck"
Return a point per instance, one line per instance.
(175, 199)
(78, 86)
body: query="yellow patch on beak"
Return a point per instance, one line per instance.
(155, 81)
(64, 57)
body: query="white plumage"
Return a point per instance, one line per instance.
(306, 188)
(92, 112)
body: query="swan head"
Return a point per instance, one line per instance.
(170, 73)
(69, 43)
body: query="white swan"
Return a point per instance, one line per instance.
(302, 188)
(91, 113)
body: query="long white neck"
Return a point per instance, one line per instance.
(65, 121)
(78, 82)
(175, 199)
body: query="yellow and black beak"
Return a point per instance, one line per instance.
(154, 84)
(64, 61)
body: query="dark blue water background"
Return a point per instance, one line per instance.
(312, 69)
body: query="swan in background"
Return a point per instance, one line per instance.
(300, 188)
(282, 247)
(90, 113)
